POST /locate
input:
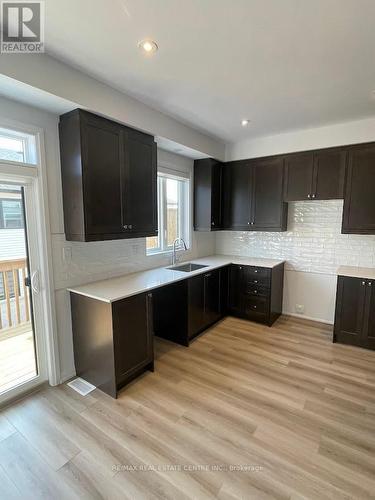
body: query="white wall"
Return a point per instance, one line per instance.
(46, 74)
(302, 140)
(313, 246)
(90, 261)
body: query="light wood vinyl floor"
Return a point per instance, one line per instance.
(246, 412)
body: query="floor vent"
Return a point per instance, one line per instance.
(81, 386)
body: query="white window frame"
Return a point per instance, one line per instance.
(30, 146)
(33, 177)
(185, 212)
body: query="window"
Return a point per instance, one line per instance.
(11, 213)
(17, 147)
(173, 213)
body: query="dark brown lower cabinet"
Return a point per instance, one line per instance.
(256, 293)
(113, 343)
(183, 310)
(355, 312)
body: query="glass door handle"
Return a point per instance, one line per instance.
(35, 282)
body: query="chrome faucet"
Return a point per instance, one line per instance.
(178, 242)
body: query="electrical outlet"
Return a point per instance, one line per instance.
(300, 308)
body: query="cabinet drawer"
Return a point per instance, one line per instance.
(257, 290)
(258, 281)
(258, 273)
(255, 305)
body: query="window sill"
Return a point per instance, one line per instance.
(165, 253)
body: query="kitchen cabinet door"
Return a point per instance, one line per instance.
(350, 309)
(140, 181)
(212, 289)
(298, 176)
(269, 211)
(102, 165)
(359, 201)
(236, 289)
(237, 195)
(196, 315)
(207, 195)
(132, 335)
(368, 336)
(329, 174)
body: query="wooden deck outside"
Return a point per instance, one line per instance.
(17, 356)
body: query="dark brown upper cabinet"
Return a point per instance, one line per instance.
(109, 176)
(329, 174)
(315, 175)
(359, 202)
(237, 193)
(298, 176)
(140, 181)
(269, 211)
(207, 195)
(253, 195)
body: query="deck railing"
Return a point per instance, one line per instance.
(14, 295)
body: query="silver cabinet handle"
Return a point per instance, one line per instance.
(212, 223)
(248, 223)
(313, 196)
(252, 223)
(255, 291)
(369, 283)
(309, 195)
(255, 281)
(255, 307)
(126, 226)
(130, 226)
(363, 283)
(255, 270)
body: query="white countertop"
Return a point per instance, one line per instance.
(121, 287)
(357, 272)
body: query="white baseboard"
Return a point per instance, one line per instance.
(303, 316)
(65, 377)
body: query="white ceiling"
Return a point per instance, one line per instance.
(284, 64)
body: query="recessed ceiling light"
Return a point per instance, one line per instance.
(148, 46)
(245, 122)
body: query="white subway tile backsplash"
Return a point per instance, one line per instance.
(313, 242)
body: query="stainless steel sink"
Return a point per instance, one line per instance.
(188, 267)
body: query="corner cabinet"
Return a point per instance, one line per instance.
(253, 195)
(113, 343)
(109, 174)
(256, 293)
(355, 312)
(207, 195)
